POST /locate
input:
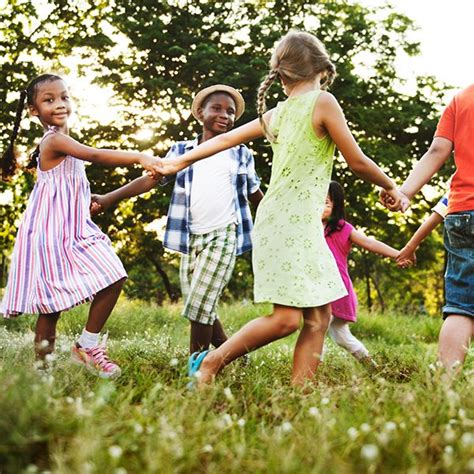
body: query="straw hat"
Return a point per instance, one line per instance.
(234, 93)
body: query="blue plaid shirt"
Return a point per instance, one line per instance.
(245, 181)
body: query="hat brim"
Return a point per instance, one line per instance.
(234, 93)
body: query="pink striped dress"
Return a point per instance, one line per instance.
(61, 258)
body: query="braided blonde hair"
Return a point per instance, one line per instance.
(298, 57)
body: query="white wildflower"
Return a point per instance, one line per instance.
(325, 401)
(390, 426)
(383, 438)
(365, 427)
(138, 428)
(228, 394)
(352, 433)
(448, 456)
(286, 427)
(449, 435)
(369, 452)
(207, 448)
(174, 362)
(467, 439)
(241, 422)
(115, 451)
(44, 344)
(314, 412)
(49, 358)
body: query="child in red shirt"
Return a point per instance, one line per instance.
(454, 132)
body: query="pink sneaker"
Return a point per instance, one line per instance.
(95, 360)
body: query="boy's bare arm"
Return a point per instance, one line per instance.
(438, 152)
(255, 198)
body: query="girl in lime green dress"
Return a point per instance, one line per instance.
(293, 266)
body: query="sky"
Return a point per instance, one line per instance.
(446, 34)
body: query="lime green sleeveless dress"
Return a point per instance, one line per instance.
(292, 263)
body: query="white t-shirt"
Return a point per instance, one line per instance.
(441, 207)
(212, 194)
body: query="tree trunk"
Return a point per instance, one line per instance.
(173, 296)
(367, 284)
(379, 293)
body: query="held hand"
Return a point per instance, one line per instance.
(152, 165)
(406, 257)
(168, 167)
(99, 204)
(394, 200)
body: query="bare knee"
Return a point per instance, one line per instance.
(287, 320)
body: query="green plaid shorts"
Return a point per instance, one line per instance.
(205, 272)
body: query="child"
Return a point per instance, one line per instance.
(454, 132)
(294, 268)
(209, 219)
(339, 237)
(61, 258)
(407, 255)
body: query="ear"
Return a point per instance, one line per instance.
(199, 113)
(33, 111)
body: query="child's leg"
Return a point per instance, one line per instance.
(87, 351)
(454, 340)
(205, 273)
(310, 342)
(341, 334)
(218, 334)
(102, 305)
(257, 333)
(202, 335)
(45, 331)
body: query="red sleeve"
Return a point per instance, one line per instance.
(445, 128)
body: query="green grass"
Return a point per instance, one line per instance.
(404, 419)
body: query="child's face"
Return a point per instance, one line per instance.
(218, 113)
(327, 211)
(51, 103)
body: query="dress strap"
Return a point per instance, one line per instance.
(48, 132)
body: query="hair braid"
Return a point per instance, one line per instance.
(330, 76)
(261, 104)
(9, 158)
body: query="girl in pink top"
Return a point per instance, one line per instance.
(61, 258)
(340, 235)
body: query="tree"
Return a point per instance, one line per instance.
(156, 55)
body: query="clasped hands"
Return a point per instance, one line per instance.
(156, 168)
(395, 200)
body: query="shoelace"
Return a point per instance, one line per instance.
(100, 356)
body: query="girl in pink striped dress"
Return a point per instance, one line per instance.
(61, 258)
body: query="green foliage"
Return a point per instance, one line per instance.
(251, 420)
(156, 55)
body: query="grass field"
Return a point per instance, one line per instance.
(402, 419)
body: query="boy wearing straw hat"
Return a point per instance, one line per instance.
(209, 220)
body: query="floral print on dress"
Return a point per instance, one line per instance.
(292, 263)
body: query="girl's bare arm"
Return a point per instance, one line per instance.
(373, 245)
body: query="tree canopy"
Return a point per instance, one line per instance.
(157, 55)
